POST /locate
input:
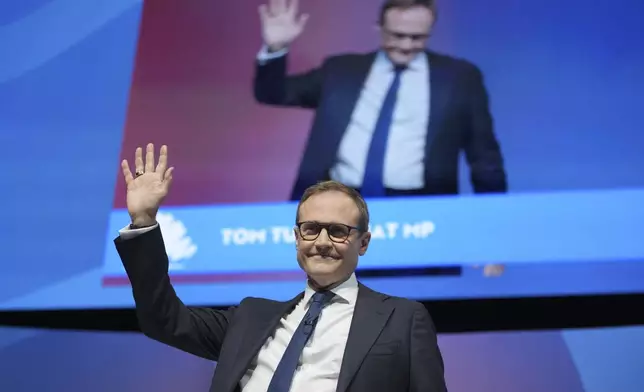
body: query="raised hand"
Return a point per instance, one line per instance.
(281, 23)
(147, 188)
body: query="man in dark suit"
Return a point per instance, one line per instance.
(391, 122)
(337, 335)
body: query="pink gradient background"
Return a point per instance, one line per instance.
(192, 90)
(193, 75)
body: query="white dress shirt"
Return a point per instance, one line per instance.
(321, 359)
(405, 151)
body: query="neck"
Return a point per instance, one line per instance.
(320, 285)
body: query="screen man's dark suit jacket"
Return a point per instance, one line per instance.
(459, 118)
(391, 346)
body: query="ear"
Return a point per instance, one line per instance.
(364, 243)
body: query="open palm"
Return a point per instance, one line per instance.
(149, 186)
(281, 23)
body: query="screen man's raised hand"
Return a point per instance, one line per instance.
(281, 23)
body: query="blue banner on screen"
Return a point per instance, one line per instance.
(230, 243)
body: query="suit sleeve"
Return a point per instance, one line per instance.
(272, 85)
(427, 369)
(161, 314)
(482, 149)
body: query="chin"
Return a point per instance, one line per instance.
(401, 59)
(323, 279)
(316, 265)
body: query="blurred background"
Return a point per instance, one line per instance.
(541, 289)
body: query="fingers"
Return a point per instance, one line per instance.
(493, 270)
(263, 12)
(277, 7)
(127, 173)
(292, 8)
(167, 177)
(148, 166)
(138, 160)
(163, 159)
(149, 158)
(301, 21)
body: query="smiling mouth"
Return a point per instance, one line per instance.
(324, 257)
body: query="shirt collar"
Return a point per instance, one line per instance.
(347, 291)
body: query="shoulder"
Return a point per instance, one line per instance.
(404, 307)
(257, 302)
(454, 63)
(348, 59)
(413, 315)
(268, 306)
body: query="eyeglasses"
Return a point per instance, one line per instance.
(337, 232)
(401, 36)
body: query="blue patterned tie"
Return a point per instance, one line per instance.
(372, 183)
(283, 376)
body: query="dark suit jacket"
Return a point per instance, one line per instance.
(459, 118)
(391, 346)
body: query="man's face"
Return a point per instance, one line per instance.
(405, 32)
(330, 258)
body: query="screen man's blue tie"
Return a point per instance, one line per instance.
(372, 183)
(283, 376)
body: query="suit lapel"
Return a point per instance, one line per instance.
(369, 318)
(349, 83)
(344, 80)
(257, 331)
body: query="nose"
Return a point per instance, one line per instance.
(323, 242)
(406, 43)
(323, 238)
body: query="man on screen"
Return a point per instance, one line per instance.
(336, 335)
(390, 122)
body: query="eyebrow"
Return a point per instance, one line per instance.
(330, 223)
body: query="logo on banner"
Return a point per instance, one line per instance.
(178, 245)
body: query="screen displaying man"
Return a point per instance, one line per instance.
(336, 335)
(388, 123)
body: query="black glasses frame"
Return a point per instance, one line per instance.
(326, 226)
(400, 36)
